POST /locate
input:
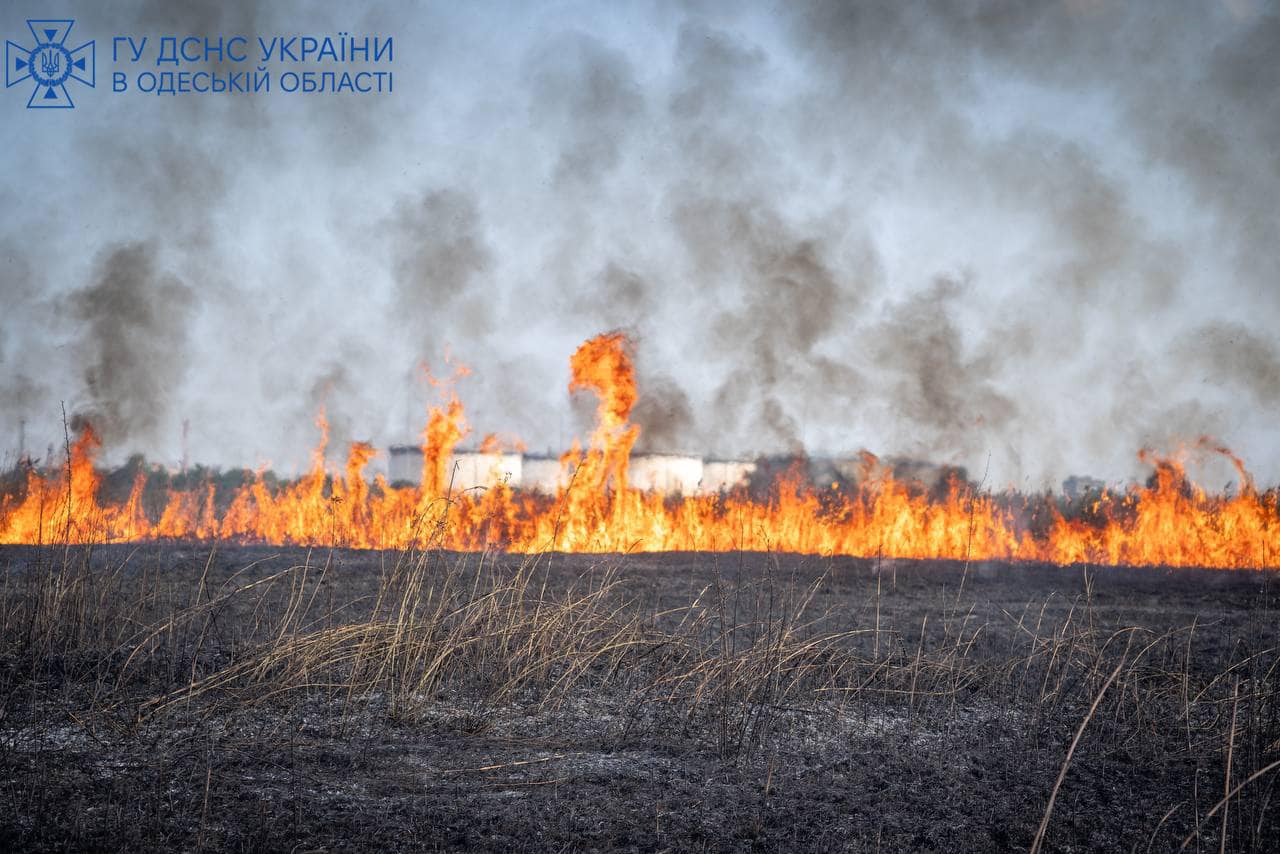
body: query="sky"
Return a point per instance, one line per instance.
(1029, 238)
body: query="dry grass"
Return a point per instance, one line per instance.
(125, 649)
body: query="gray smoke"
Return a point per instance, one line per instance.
(791, 301)
(1230, 353)
(438, 254)
(665, 416)
(135, 319)
(941, 385)
(20, 342)
(1041, 230)
(620, 297)
(338, 390)
(585, 95)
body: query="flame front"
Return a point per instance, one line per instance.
(1171, 522)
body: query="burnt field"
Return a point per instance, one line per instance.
(190, 697)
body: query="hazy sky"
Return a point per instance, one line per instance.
(1044, 231)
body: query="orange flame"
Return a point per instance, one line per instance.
(1169, 522)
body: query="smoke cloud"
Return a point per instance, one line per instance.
(134, 321)
(438, 253)
(1042, 232)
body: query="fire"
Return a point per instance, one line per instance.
(1170, 522)
(602, 365)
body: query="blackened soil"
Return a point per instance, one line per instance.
(947, 735)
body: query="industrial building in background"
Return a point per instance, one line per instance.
(665, 474)
(668, 474)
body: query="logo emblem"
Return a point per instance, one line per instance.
(50, 64)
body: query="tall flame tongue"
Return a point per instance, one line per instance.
(603, 366)
(1170, 522)
(445, 429)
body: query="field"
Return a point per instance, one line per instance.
(190, 696)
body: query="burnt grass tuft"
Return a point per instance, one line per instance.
(191, 697)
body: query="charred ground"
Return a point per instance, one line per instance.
(175, 696)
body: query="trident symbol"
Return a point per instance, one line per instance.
(49, 62)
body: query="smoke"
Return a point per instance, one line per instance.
(664, 414)
(135, 322)
(791, 301)
(338, 389)
(18, 391)
(940, 386)
(585, 95)
(1042, 231)
(438, 255)
(20, 343)
(1231, 354)
(619, 297)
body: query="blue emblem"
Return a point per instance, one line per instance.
(50, 64)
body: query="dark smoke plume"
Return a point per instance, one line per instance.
(439, 253)
(1232, 354)
(135, 321)
(940, 385)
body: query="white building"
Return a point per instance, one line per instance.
(465, 470)
(542, 473)
(476, 470)
(405, 464)
(669, 474)
(723, 475)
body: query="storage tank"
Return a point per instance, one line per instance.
(541, 473)
(667, 474)
(405, 464)
(724, 475)
(466, 469)
(479, 470)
